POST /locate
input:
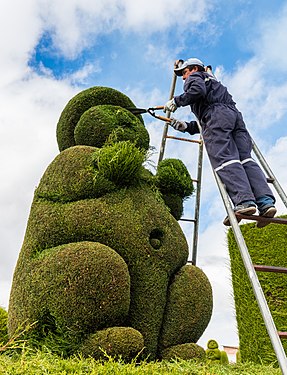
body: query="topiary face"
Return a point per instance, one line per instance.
(212, 344)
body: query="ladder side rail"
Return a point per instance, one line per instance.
(269, 173)
(165, 129)
(197, 203)
(260, 297)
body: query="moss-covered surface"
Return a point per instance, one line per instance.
(103, 251)
(77, 107)
(3, 325)
(267, 246)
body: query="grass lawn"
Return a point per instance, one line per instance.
(40, 363)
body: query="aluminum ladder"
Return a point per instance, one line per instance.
(275, 336)
(197, 180)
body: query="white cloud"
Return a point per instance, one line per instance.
(30, 110)
(271, 43)
(75, 24)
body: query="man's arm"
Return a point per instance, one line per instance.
(183, 126)
(192, 127)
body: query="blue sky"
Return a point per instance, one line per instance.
(52, 49)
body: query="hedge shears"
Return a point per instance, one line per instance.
(151, 111)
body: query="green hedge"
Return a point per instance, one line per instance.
(3, 325)
(267, 246)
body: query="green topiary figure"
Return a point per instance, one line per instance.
(103, 263)
(214, 354)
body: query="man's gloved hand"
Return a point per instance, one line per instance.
(170, 106)
(178, 125)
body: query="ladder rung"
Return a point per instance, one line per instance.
(183, 139)
(192, 220)
(275, 269)
(282, 335)
(275, 220)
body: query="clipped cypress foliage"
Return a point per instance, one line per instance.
(267, 246)
(184, 352)
(178, 326)
(174, 178)
(175, 204)
(99, 122)
(102, 265)
(3, 325)
(117, 342)
(77, 107)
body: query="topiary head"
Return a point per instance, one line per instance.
(212, 344)
(94, 114)
(103, 122)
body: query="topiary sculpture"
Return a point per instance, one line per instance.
(214, 354)
(103, 263)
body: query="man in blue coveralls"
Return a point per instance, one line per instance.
(226, 139)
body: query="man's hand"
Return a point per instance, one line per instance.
(170, 106)
(178, 125)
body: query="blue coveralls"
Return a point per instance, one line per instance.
(226, 138)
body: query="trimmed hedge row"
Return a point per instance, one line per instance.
(267, 246)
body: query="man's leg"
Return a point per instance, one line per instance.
(257, 179)
(223, 153)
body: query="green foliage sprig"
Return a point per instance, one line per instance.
(120, 163)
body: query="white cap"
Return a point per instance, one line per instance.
(191, 61)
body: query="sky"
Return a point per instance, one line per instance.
(53, 49)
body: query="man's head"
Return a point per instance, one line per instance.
(188, 67)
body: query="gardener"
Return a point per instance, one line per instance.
(226, 139)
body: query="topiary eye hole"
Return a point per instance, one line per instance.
(156, 238)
